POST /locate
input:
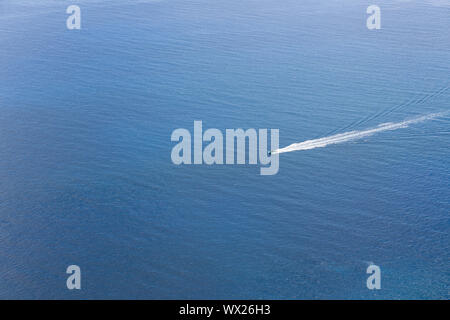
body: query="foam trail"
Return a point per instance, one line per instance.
(352, 135)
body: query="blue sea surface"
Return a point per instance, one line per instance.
(86, 176)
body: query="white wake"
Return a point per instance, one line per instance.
(352, 135)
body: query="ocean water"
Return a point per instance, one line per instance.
(86, 176)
